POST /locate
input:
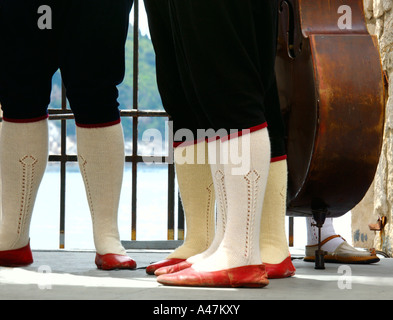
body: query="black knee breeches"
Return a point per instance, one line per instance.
(215, 64)
(84, 38)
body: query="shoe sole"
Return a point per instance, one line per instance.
(254, 276)
(330, 259)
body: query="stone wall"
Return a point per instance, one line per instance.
(379, 200)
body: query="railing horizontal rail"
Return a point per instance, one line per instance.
(60, 114)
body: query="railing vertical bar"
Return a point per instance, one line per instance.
(290, 231)
(180, 218)
(171, 201)
(135, 121)
(63, 162)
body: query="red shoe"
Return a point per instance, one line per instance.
(114, 261)
(163, 263)
(280, 270)
(16, 258)
(173, 268)
(253, 276)
(284, 269)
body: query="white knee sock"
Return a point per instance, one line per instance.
(273, 240)
(23, 157)
(101, 161)
(245, 189)
(217, 172)
(327, 230)
(198, 199)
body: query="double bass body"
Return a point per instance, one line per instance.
(332, 98)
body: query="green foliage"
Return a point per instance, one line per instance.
(148, 95)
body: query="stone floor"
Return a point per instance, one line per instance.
(72, 275)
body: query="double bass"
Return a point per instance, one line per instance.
(332, 97)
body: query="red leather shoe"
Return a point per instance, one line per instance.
(163, 263)
(16, 258)
(253, 276)
(114, 261)
(173, 268)
(283, 269)
(280, 270)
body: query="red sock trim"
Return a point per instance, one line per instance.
(239, 133)
(279, 158)
(187, 143)
(99, 125)
(26, 120)
(211, 139)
